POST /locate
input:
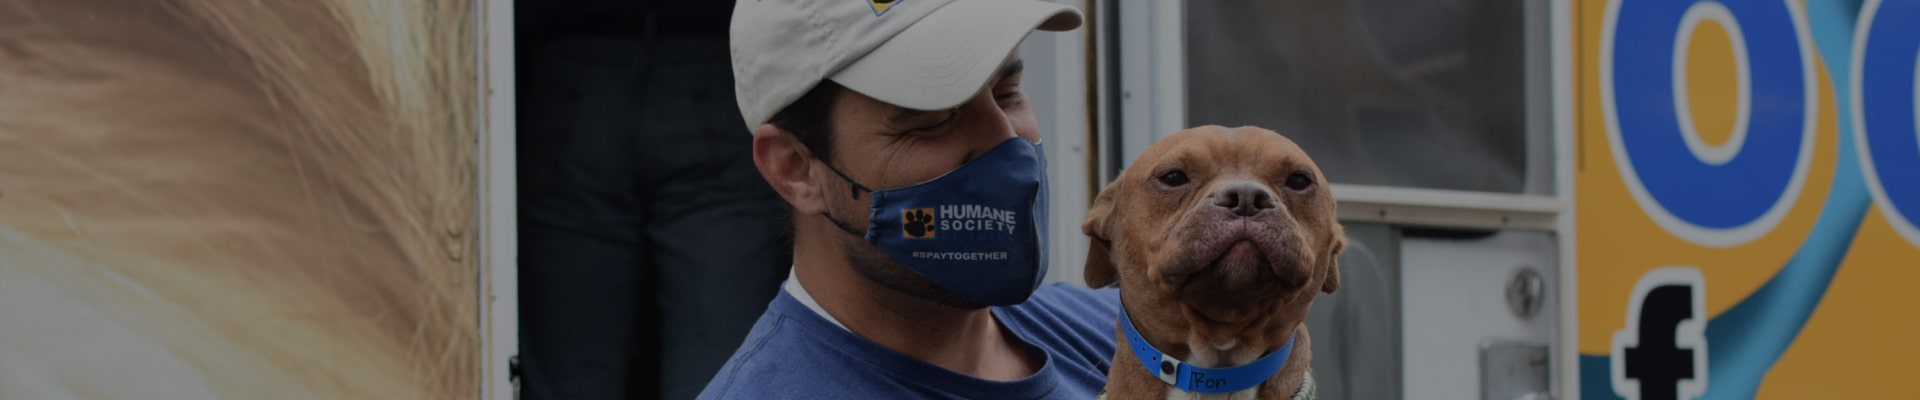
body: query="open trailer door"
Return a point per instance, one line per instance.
(1436, 123)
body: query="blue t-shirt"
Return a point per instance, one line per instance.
(793, 353)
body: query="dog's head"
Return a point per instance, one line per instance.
(1228, 233)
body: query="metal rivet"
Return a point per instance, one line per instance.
(1526, 293)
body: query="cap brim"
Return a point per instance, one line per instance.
(947, 56)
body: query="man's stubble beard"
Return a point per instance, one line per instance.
(876, 266)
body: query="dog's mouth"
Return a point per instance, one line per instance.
(1238, 256)
(1243, 253)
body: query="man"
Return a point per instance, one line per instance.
(898, 134)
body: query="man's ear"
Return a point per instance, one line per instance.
(1100, 271)
(1332, 282)
(787, 166)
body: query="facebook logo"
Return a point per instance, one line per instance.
(1662, 353)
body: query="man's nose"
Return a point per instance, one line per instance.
(989, 124)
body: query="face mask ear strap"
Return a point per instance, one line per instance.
(857, 187)
(842, 225)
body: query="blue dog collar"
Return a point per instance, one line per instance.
(1204, 380)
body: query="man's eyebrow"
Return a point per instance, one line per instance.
(1012, 69)
(902, 114)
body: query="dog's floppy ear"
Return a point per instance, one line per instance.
(1332, 282)
(1100, 271)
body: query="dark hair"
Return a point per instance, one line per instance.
(811, 118)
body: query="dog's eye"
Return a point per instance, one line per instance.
(1299, 181)
(1174, 178)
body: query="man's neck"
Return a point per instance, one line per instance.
(968, 341)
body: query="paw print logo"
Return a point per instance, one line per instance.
(881, 6)
(918, 223)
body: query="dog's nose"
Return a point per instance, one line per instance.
(1243, 198)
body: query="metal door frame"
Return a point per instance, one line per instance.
(1151, 102)
(499, 317)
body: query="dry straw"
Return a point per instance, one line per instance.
(248, 199)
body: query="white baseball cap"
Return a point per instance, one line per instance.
(917, 54)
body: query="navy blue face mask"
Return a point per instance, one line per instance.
(978, 230)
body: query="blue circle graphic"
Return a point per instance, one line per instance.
(1769, 167)
(1889, 137)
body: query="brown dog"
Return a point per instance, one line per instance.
(1220, 238)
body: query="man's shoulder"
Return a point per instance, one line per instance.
(751, 361)
(793, 353)
(1071, 302)
(1074, 324)
(780, 355)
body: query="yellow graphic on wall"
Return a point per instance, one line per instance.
(1741, 155)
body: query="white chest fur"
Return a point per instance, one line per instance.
(1177, 394)
(1222, 356)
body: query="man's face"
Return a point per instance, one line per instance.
(884, 146)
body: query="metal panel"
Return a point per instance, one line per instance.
(1448, 208)
(1356, 329)
(1152, 75)
(1455, 302)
